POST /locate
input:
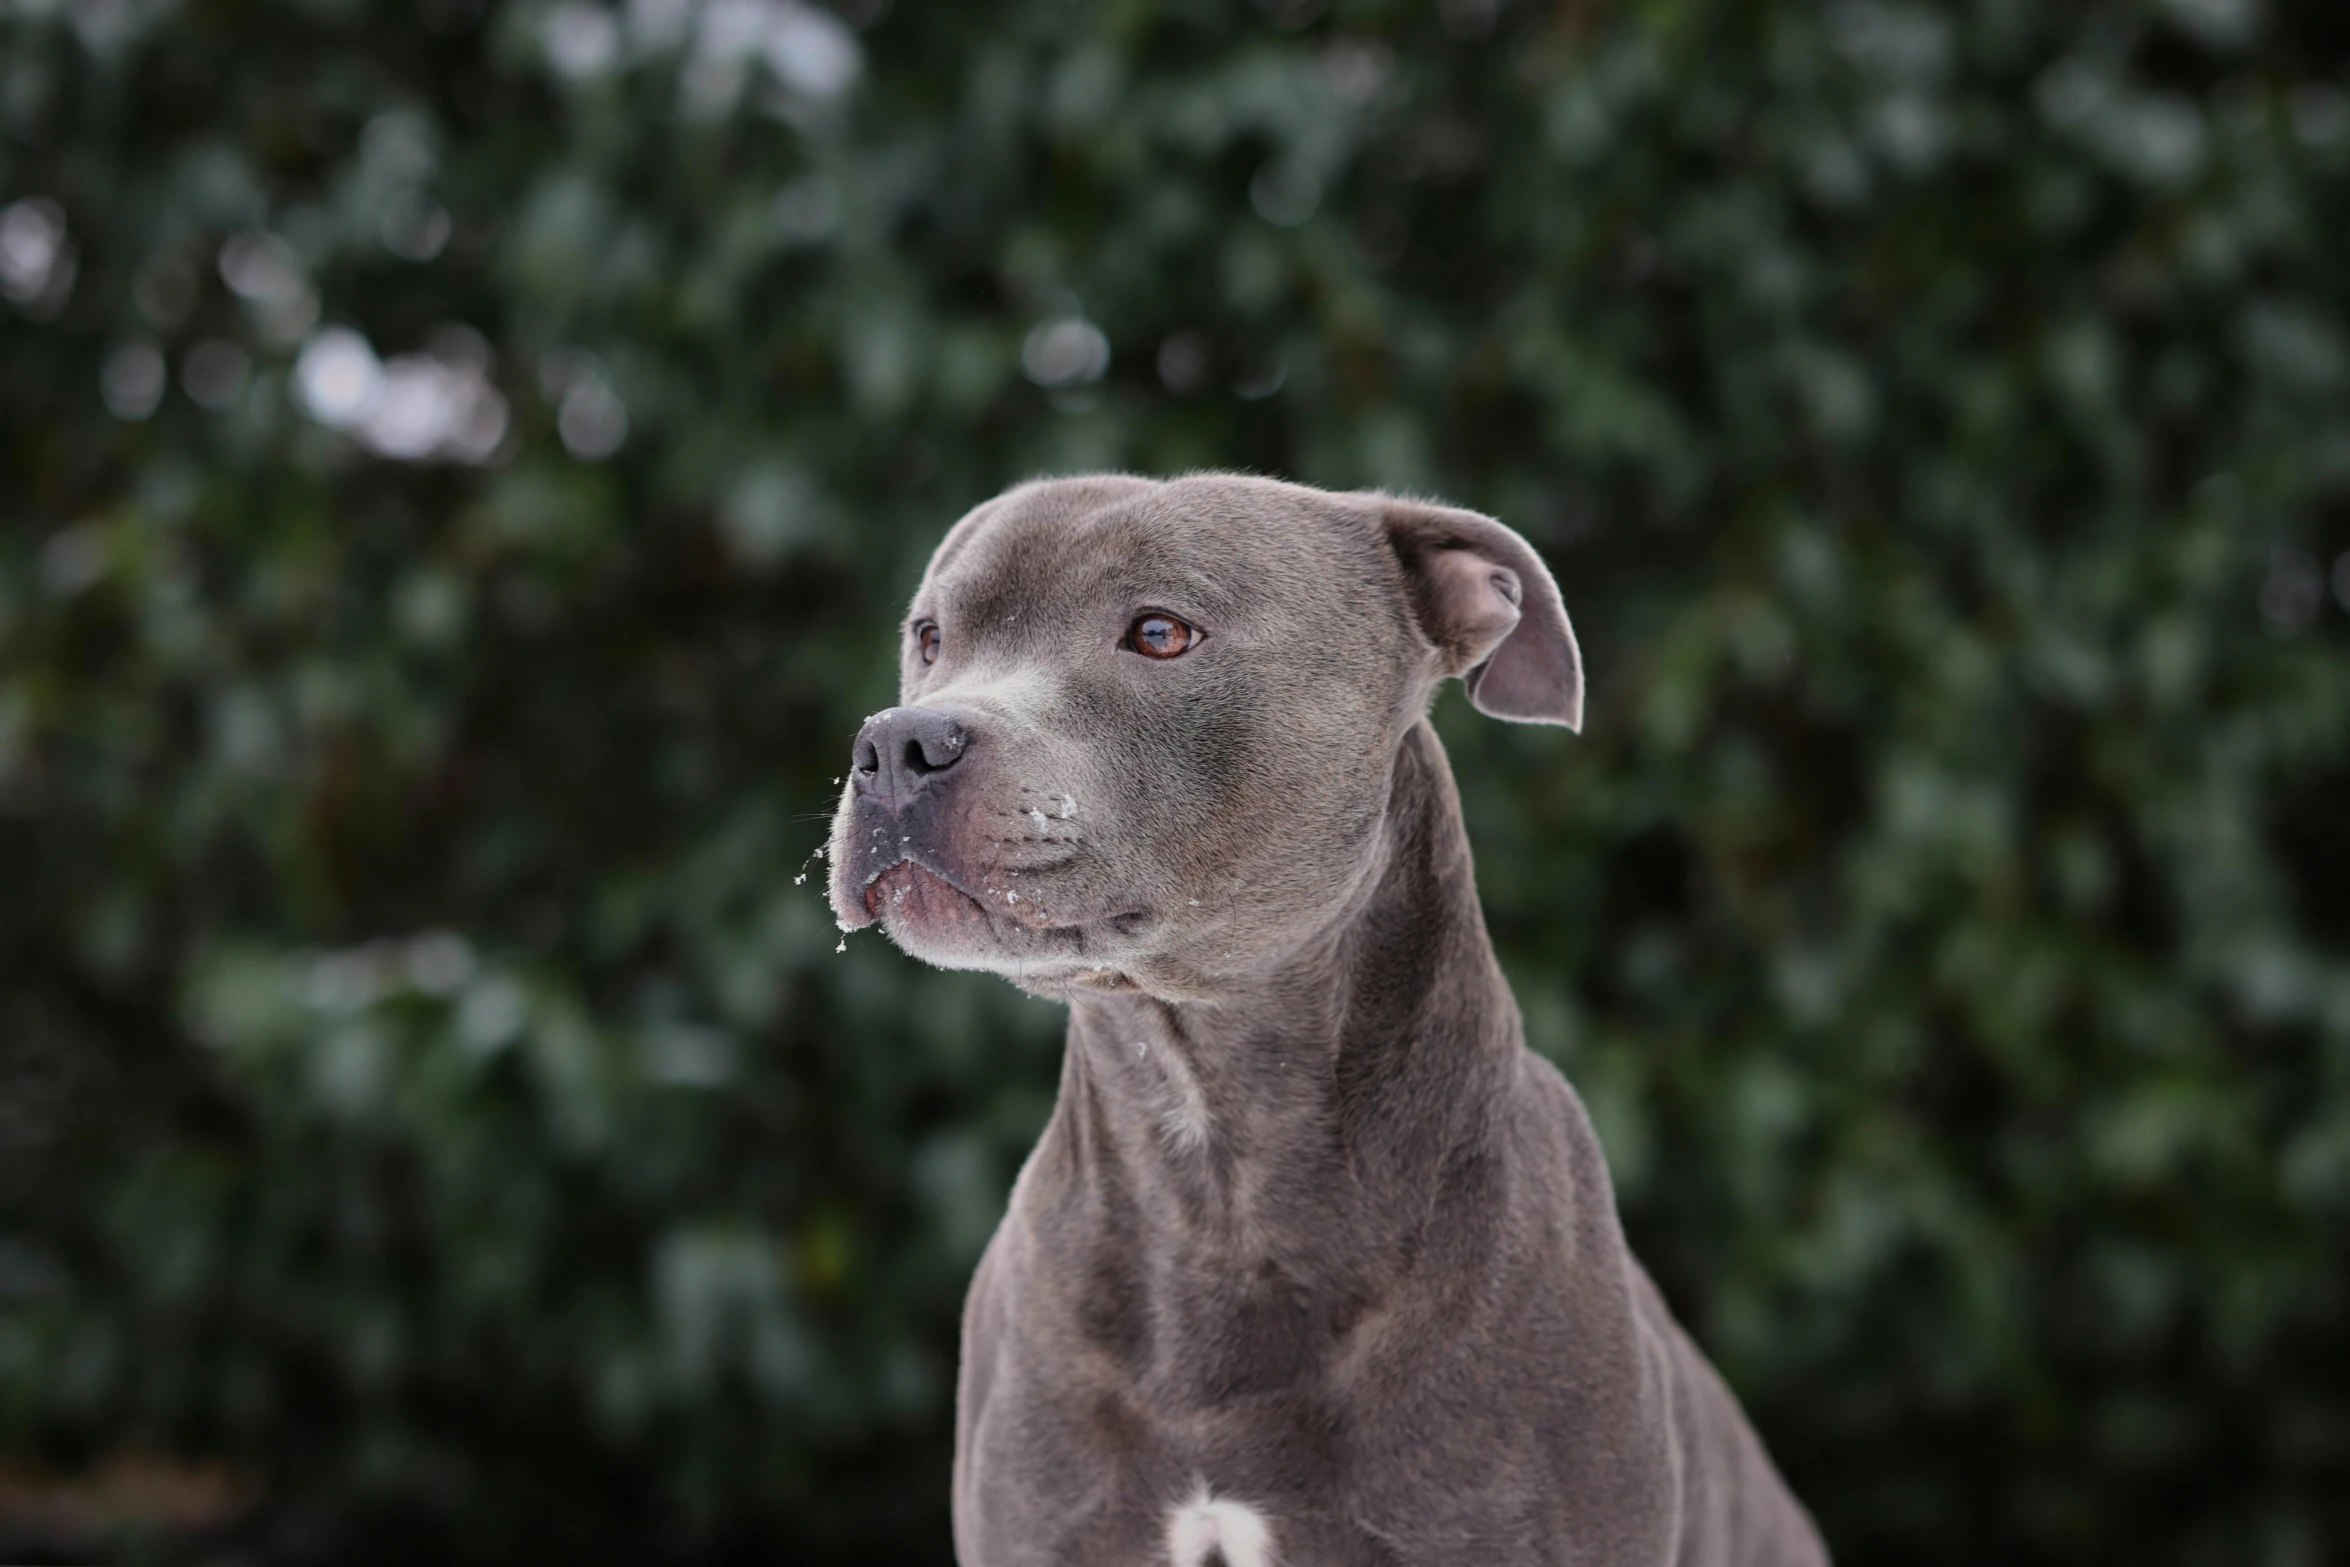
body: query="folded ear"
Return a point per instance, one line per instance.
(1487, 602)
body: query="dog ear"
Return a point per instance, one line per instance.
(1487, 602)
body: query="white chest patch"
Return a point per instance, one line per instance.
(1206, 1528)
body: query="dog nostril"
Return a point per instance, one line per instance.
(935, 753)
(900, 752)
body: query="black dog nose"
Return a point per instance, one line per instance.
(900, 750)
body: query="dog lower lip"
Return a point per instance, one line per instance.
(933, 897)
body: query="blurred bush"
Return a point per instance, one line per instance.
(462, 468)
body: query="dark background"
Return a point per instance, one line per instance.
(460, 470)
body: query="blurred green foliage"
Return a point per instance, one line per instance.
(461, 468)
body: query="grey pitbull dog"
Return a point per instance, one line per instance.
(1315, 1262)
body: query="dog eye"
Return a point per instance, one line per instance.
(1156, 635)
(926, 640)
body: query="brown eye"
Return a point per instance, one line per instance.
(926, 640)
(1154, 635)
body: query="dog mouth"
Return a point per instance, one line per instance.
(912, 898)
(931, 914)
(911, 894)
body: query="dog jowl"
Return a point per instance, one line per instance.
(1314, 1262)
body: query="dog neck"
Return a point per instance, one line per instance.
(1317, 1107)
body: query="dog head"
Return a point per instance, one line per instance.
(1146, 730)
